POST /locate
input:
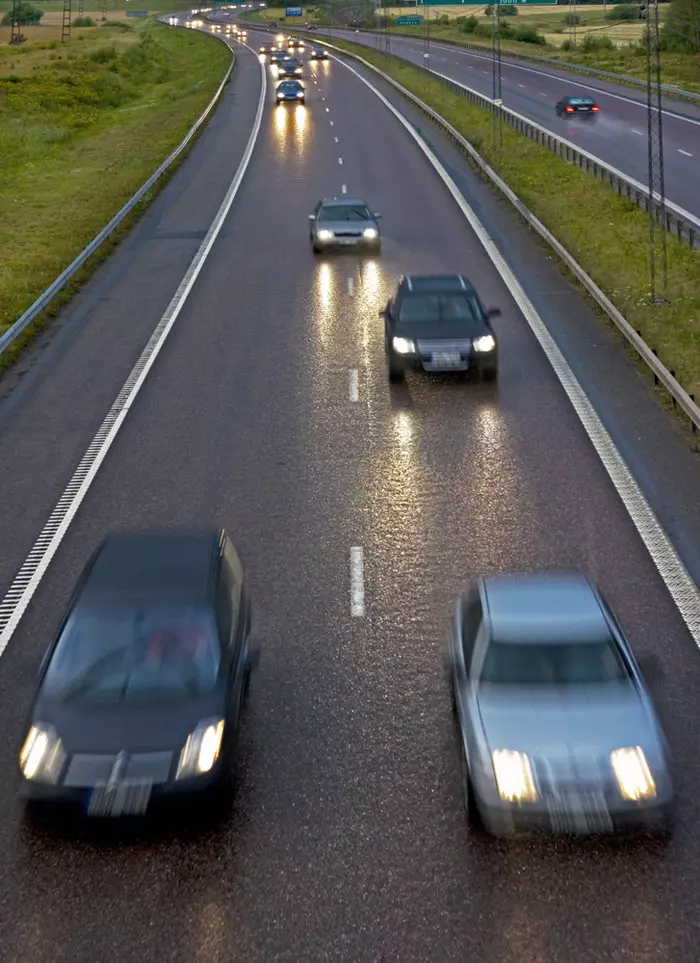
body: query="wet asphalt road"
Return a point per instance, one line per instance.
(347, 839)
(618, 135)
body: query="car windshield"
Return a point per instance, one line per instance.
(345, 212)
(553, 664)
(134, 654)
(290, 86)
(581, 101)
(421, 308)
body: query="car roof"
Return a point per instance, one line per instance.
(544, 607)
(426, 283)
(158, 565)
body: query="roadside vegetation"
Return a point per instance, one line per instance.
(82, 126)
(608, 235)
(603, 36)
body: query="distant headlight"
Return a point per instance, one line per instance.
(485, 343)
(514, 778)
(42, 755)
(201, 750)
(632, 773)
(325, 235)
(403, 345)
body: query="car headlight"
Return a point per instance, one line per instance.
(298, 70)
(201, 750)
(300, 94)
(632, 773)
(370, 233)
(514, 779)
(403, 345)
(325, 235)
(486, 342)
(42, 755)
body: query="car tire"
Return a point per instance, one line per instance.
(316, 248)
(396, 375)
(490, 374)
(471, 808)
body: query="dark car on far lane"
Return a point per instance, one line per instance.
(290, 91)
(438, 323)
(140, 694)
(581, 106)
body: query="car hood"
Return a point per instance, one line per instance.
(90, 728)
(341, 226)
(593, 721)
(445, 331)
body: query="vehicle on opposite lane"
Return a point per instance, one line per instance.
(579, 105)
(557, 730)
(344, 222)
(290, 91)
(438, 323)
(140, 695)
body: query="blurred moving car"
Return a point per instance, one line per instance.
(317, 53)
(266, 49)
(290, 90)
(438, 323)
(277, 56)
(289, 68)
(557, 729)
(344, 222)
(140, 695)
(585, 106)
(293, 44)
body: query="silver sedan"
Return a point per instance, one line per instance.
(344, 222)
(557, 729)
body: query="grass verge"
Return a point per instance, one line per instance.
(608, 235)
(83, 125)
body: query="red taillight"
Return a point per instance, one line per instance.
(569, 110)
(595, 108)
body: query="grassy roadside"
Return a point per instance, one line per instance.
(606, 234)
(82, 126)
(626, 56)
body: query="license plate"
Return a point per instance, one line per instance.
(447, 359)
(347, 240)
(124, 799)
(580, 812)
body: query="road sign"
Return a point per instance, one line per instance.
(292, 11)
(137, 13)
(408, 21)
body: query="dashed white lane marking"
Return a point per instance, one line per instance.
(332, 122)
(323, 98)
(351, 286)
(340, 160)
(671, 569)
(687, 153)
(357, 582)
(27, 580)
(335, 140)
(640, 132)
(344, 188)
(521, 85)
(354, 387)
(327, 109)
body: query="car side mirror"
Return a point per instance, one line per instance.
(376, 215)
(493, 313)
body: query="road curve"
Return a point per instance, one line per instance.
(618, 136)
(347, 839)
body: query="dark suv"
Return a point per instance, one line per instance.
(438, 323)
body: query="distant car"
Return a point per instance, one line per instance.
(438, 323)
(293, 44)
(277, 56)
(344, 222)
(585, 106)
(242, 34)
(290, 90)
(290, 68)
(140, 694)
(266, 49)
(557, 730)
(318, 54)
(314, 26)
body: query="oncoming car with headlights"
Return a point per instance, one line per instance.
(289, 68)
(438, 323)
(139, 696)
(557, 730)
(290, 91)
(344, 222)
(318, 53)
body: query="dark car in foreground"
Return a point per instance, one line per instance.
(317, 53)
(140, 694)
(557, 730)
(581, 106)
(438, 323)
(344, 222)
(290, 91)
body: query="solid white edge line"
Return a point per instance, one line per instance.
(354, 385)
(27, 580)
(357, 582)
(344, 189)
(671, 569)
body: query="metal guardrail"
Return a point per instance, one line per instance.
(45, 299)
(677, 221)
(661, 374)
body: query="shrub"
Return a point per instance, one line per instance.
(27, 14)
(84, 22)
(468, 24)
(623, 11)
(528, 35)
(593, 44)
(571, 19)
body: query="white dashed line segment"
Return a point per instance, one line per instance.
(354, 386)
(357, 582)
(351, 286)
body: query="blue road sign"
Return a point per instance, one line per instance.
(292, 11)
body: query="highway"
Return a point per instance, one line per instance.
(347, 839)
(618, 135)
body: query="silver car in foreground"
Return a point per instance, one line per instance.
(344, 222)
(557, 729)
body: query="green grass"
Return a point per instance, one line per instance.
(606, 234)
(154, 6)
(83, 126)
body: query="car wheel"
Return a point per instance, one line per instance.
(470, 806)
(316, 249)
(490, 374)
(395, 374)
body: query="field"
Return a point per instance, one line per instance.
(83, 126)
